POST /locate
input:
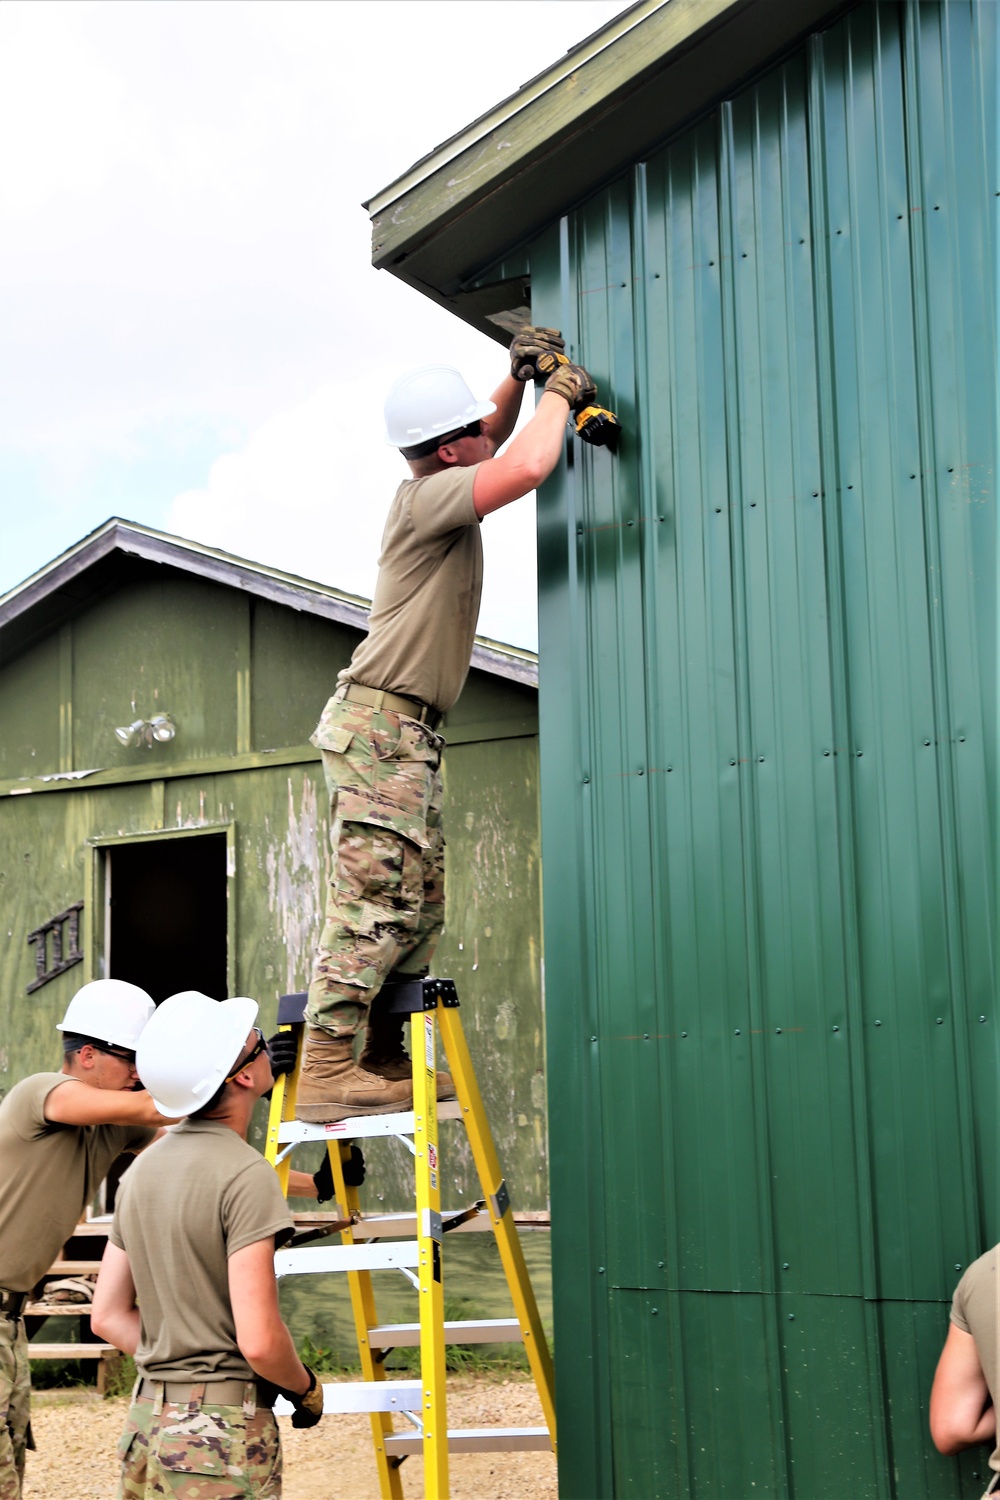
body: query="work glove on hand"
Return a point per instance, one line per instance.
(308, 1407)
(573, 383)
(528, 345)
(354, 1174)
(282, 1049)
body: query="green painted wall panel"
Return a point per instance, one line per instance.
(769, 773)
(193, 635)
(29, 712)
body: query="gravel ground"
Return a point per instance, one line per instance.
(76, 1433)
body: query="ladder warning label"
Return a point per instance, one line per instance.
(429, 1041)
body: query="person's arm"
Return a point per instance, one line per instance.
(263, 1339)
(75, 1103)
(528, 461)
(115, 1316)
(302, 1185)
(507, 400)
(961, 1412)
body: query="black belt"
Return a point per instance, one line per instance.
(396, 703)
(12, 1303)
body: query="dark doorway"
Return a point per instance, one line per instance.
(168, 915)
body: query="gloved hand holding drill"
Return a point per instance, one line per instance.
(538, 352)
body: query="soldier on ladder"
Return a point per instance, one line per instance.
(381, 754)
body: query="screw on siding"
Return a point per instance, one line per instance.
(878, 1023)
(684, 1033)
(784, 1265)
(836, 1028)
(641, 772)
(958, 1268)
(777, 1031)
(826, 752)
(654, 1311)
(586, 781)
(982, 1020)
(645, 1036)
(736, 1032)
(791, 1317)
(593, 1039)
(940, 1022)
(732, 763)
(600, 1270)
(660, 1264)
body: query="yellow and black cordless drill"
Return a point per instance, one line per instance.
(594, 424)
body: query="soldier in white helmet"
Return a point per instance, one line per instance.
(381, 755)
(187, 1282)
(59, 1134)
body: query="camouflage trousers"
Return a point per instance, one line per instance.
(199, 1451)
(15, 1399)
(385, 904)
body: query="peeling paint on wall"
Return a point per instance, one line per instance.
(295, 883)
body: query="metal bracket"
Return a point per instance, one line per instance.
(404, 997)
(500, 1200)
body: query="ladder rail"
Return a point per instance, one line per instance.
(501, 1217)
(433, 1367)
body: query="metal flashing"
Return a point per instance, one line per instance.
(569, 132)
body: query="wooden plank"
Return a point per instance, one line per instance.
(71, 1351)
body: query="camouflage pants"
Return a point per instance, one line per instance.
(385, 905)
(199, 1452)
(15, 1397)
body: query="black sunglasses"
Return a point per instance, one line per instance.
(474, 429)
(245, 1062)
(122, 1053)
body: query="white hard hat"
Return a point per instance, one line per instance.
(109, 1010)
(189, 1047)
(429, 402)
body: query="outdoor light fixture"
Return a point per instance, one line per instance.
(160, 729)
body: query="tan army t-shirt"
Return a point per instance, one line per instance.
(195, 1198)
(975, 1308)
(426, 606)
(48, 1174)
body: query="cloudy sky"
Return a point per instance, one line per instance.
(193, 335)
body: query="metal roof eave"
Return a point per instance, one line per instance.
(582, 122)
(50, 597)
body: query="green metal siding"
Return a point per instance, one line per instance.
(769, 777)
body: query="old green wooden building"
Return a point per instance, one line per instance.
(768, 718)
(200, 860)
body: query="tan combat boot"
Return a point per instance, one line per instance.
(332, 1086)
(385, 1055)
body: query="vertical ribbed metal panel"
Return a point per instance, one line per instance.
(769, 777)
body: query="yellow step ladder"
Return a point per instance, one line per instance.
(422, 1402)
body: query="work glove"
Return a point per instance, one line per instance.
(570, 381)
(282, 1049)
(308, 1407)
(354, 1174)
(528, 345)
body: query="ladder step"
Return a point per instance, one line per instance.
(365, 1395)
(362, 1125)
(313, 1259)
(482, 1331)
(478, 1440)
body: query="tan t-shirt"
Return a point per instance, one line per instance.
(195, 1198)
(48, 1174)
(426, 606)
(975, 1308)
